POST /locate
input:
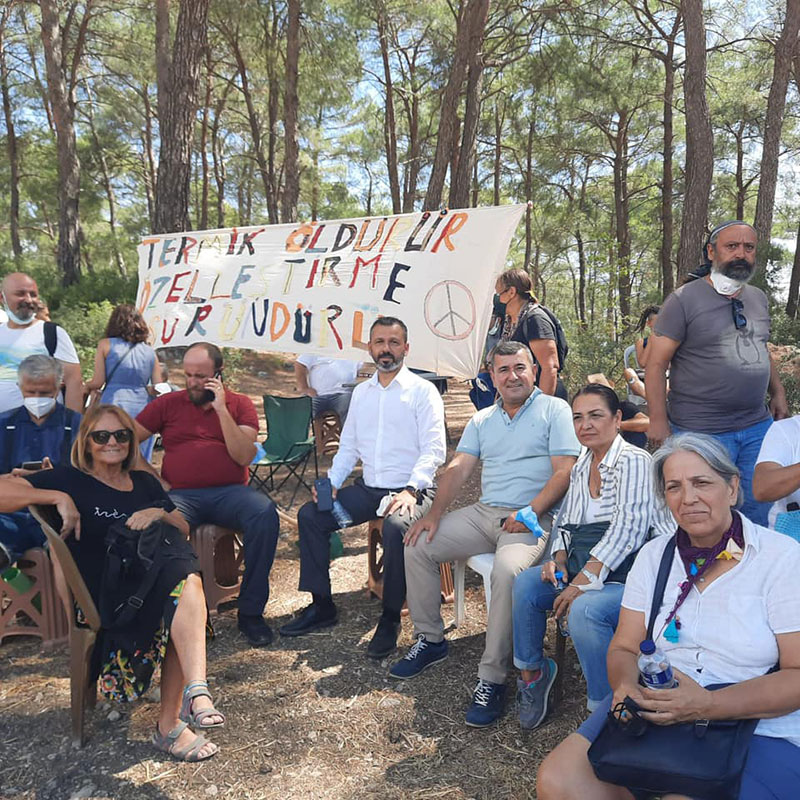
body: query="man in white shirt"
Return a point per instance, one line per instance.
(396, 428)
(24, 335)
(327, 381)
(776, 478)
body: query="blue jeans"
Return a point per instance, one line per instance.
(242, 509)
(339, 403)
(19, 532)
(743, 447)
(592, 621)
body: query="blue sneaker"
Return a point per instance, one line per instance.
(532, 700)
(421, 655)
(488, 704)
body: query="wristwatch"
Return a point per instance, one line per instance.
(413, 490)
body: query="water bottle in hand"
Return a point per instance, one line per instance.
(342, 515)
(563, 624)
(655, 671)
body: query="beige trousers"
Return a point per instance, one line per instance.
(467, 532)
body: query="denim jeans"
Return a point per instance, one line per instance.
(242, 509)
(19, 532)
(592, 620)
(743, 447)
(339, 403)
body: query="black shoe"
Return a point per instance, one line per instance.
(311, 618)
(255, 630)
(384, 640)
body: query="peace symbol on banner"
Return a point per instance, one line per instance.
(450, 310)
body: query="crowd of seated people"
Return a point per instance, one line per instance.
(575, 516)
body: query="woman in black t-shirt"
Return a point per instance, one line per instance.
(529, 323)
(97, 491)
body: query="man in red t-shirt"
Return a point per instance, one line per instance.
(209, 435)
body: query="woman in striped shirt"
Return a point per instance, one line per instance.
(607, 514)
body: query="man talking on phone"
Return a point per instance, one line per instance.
(209, 435)
(395, 427)
(36, 435)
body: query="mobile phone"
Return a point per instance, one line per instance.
(32, 465)
(208, 395)
(324, 494)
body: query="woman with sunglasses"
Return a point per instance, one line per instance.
(730, 614)
(101, 488)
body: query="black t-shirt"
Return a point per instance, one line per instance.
(629, 411)
(99, 506)
(535, 325)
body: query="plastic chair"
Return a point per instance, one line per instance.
(83, 692)
(288, 444)
(481, 564)
(221, 556)
(37, 610)
(327, 432)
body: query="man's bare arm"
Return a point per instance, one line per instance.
(655, 380)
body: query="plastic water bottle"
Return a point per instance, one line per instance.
(654, 667)
(341, 515)
(563, 624)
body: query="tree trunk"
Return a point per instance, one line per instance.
(741, 189)
(291, 184)
(459, 189)
(271, 37)
(177, 102)
(794, 283)
(11, 147)
(36, 77)
(622, 216)
(62, 103)
(411, 178)
(107, 184)
(699, 140)
(667, 225)
(150, 161)
(471, 12)
(389, 127)
(498, 153)
(529, 194)
(217, 159)
(581, 279)
(773, 124)
(204, 170)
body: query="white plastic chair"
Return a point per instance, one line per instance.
(481, 564)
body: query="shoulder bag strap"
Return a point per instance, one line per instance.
(114, 369)
(50, 338)
(664, 568)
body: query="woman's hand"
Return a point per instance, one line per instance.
(140, 520)
(632, 690)
(563, 602)
(70, 517)
(549, 569)
(687, 702)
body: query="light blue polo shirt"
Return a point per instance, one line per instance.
(515, 453)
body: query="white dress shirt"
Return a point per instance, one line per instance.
(728, 631)
(396, 431)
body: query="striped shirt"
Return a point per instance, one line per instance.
(627, 501)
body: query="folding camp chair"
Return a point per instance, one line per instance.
(83, 692)
(288, 444)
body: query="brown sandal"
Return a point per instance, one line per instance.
(189, 753)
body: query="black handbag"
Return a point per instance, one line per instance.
(702, 759)
(582, 538)
(132, 565)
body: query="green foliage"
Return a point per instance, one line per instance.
(85, 323)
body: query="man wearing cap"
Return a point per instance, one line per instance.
(712, 334)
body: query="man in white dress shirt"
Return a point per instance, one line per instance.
(327, 381)
(395, 427)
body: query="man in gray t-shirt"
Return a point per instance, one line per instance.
(712, 334)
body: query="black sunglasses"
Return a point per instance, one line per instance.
(737, 309)
(122, 436)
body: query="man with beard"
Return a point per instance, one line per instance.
(24, 335)
(209, 435)
(395, 426)
(712, 334)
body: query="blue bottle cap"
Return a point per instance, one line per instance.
(559, 575)
(648, 646)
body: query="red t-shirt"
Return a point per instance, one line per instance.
(195, 455)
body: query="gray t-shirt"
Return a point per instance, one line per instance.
(719, 375)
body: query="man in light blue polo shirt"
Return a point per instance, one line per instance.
(526, 444)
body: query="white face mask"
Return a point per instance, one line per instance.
(724, 285)
(17, 320)
(39, 406)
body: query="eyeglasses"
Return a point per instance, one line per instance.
(737, 309)
(122, 436)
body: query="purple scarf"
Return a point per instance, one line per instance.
(697, 560)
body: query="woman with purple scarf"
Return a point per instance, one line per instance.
(730, 613)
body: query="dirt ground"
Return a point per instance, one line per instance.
(306, 718)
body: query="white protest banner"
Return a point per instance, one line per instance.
(318, 286)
